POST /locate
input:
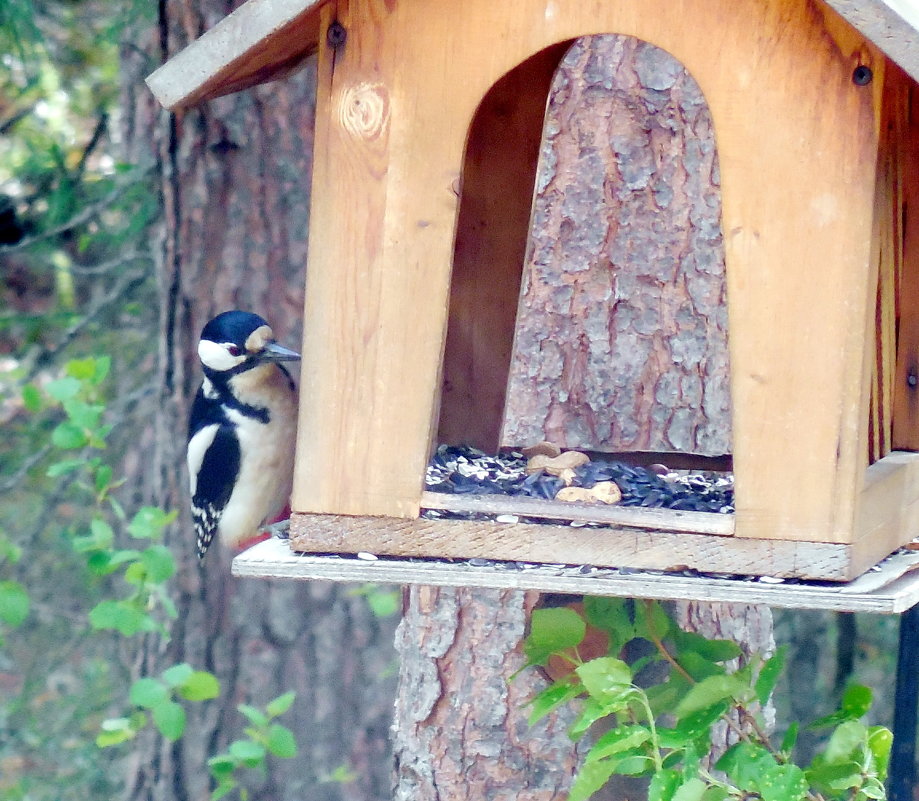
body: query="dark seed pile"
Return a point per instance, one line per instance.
(465, 470)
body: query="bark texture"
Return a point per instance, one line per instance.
(621, 339)
(235, 178)
(461, 728)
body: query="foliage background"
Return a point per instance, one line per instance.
(80, 228)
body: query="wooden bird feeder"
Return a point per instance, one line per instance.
(422, 190)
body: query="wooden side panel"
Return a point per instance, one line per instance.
(893, 187)
(499, 172)
(797, 146)
(906, 385)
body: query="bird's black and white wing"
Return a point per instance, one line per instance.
(213, 465)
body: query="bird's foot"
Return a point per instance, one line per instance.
(280, 529)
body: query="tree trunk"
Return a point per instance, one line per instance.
(461, 728)
(621, 344)
(235, 178)
(621, 341)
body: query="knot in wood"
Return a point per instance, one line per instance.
(364, 110)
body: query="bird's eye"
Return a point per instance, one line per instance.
(233, 350)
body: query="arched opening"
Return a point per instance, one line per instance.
(591, 173)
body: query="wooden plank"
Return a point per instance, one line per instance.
(893, 589)
(263, 40)
(906, 386)
(661, 519)
(499, 172)
(888, 514)
(611, 546)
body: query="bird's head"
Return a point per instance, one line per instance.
(236, 341)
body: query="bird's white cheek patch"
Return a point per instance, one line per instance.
(216, 356)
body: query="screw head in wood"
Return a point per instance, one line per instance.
(912, 380)
(336, 34)
(862, 75)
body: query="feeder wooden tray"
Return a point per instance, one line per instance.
(627, 537)
(889, 588)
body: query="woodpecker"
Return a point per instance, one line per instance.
(241, 431)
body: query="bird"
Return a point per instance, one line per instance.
(241, 430)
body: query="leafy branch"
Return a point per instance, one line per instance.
(663, 730)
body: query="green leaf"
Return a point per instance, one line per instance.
(67, 436)
(103, 477)
(31, 398)
(63, 388)
(200, 686)
(652, 621)
(248, 752)
(384, 603)
(847, 738)
(690, 727)
(708, 692)
(148, 693)
(698, 666)
(769, 674)
(223, 789)
(691, 790)
(221, 765)
(159, 563)
(612, 615)
(115, 731)
(790, 738)
(632, 764)
(169, 718)
(84, 415)
(712, 650)
(615, 741)
(590, 778)
(856, 701)
(880, 741)
(837, 777)
(149, 522)
(64, 466)
(14, 603)
(591, 711)
(281, 704)
(744, 763)
(82, 369)
(255, 716)
(663, 785)
(783, 783)
(281, 741)
(552, 631)
(553, 697)
(178, 674)
(120, 616)
(607, 679)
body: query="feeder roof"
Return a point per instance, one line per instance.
(264, 40)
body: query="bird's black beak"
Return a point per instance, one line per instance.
(273, 352)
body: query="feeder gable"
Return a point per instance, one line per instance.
(264, 40)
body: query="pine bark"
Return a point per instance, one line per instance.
(235, 179)
(621, 339)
